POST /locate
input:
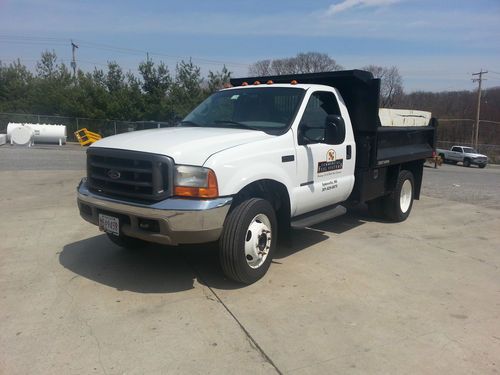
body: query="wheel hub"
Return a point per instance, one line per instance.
(405, 196)
(258, 241)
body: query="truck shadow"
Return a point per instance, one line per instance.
(161, 269)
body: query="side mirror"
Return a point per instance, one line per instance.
(334, 130)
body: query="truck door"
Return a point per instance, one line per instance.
(325, 172)
(457, 153)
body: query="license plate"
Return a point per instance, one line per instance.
(109, 224)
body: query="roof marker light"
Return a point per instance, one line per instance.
(227, 85)
(270, 82)
(244, 84)
(294, 82)
(256, 83)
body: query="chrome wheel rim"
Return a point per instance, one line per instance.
(258, 241)
(405, 196)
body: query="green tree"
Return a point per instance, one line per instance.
(156, 83)
(216, 80)
(16, 83)
(187, 90)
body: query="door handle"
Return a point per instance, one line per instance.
(348, 152)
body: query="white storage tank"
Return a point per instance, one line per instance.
(22, 136)
(42, 133)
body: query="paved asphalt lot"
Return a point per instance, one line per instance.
(351, 295)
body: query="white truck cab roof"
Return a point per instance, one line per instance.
(303, 86)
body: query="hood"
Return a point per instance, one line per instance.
(476, 155)
(186, 145)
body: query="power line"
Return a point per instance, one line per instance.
(20, 39)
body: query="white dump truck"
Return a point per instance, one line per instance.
(252, 161)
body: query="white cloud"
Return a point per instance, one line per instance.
(348, 4)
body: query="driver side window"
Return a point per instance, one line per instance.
(312, 127)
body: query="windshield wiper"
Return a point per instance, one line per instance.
(190, 123)
(239, 124)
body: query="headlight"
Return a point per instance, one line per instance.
(195, 182)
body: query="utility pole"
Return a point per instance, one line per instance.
(480, 80)
(73, 62)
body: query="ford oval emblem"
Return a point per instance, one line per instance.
(113, 174)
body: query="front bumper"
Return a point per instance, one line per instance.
(479, 161)
(175, 221)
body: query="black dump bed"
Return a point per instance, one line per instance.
(376, 145)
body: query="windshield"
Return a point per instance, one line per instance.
(269, 109)
(470, 150)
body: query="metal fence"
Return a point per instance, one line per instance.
(461, 132)
(105, 127)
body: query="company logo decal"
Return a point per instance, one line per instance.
(331, 163)
(113, 174)
(330, 155)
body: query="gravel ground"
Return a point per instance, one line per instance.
(460, 184)
(42, 157)
(351, 296)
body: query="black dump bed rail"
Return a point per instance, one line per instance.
(396, 145)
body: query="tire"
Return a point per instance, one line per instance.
(399, 203)
(482, 165)
(248, 241)
(466, 163)
(127, 242)
(443, 158)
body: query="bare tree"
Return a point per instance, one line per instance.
(315, 62)
(391, 89)
(260, 68)
(309, 62)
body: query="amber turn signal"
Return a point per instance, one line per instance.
(211, 190)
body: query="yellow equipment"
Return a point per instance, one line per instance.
(86, 137)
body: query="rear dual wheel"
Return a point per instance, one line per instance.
(397, 205)
(248, 241)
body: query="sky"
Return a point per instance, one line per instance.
(435, 44)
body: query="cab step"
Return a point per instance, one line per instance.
(318, 216)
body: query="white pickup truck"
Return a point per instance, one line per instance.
(252, 161)
(462, 154)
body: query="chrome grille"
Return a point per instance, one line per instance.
(129, 174)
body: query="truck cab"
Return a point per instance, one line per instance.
(464, 154)
(253, 161)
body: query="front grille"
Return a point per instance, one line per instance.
(129, 174)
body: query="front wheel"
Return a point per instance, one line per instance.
(248, 241)
(482, 165)
(466, 163)
(399, 203)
